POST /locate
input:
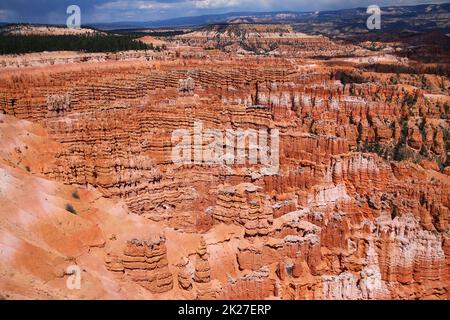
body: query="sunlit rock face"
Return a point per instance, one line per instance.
(356, 208)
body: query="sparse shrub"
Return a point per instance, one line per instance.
(410, 100)
(374, 147)
(71, 209)
(400, 152)
(289, 269)
(75, 195)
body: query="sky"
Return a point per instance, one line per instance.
(105, 11)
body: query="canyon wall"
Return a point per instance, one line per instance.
(358, 207)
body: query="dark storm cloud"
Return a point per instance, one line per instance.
(54, 11)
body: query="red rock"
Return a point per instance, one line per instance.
(342, 218)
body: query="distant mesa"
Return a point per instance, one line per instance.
(45, 30)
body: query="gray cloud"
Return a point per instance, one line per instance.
(54, 11)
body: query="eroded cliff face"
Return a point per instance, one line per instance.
(277, 39)
(358, 209)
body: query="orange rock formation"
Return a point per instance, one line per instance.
(359, 208)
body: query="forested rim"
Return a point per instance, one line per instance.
(17, 44)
